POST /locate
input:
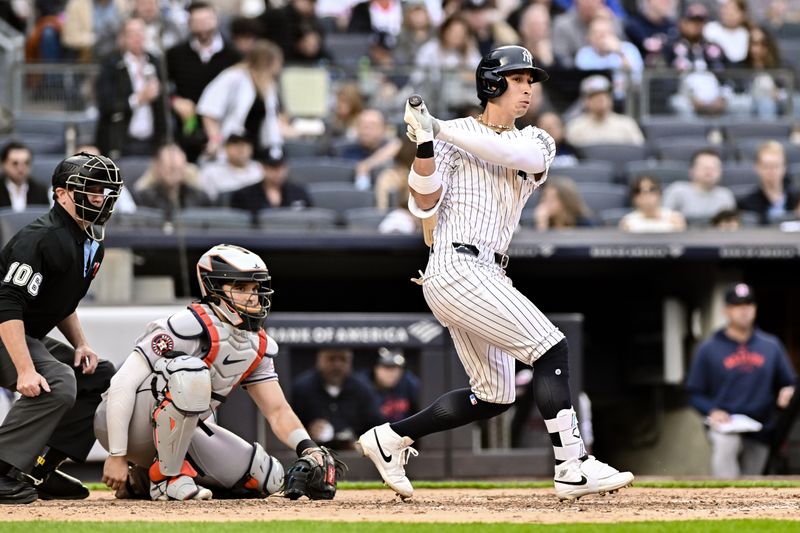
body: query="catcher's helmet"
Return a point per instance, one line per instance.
(489, 78)
(86, 175)
(227, 264)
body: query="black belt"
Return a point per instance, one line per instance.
(471, 249)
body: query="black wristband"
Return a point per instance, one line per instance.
(425, 150)
(303, 445)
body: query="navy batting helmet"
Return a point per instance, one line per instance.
(489, 77)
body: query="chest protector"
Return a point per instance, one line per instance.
(233, 354)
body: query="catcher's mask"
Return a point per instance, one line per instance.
(90, 175)
(490, 75)
(226, 264)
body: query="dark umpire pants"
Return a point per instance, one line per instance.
(62, 418)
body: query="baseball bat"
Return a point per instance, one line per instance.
(415, 100)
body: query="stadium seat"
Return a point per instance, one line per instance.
(601, 196)
(296, 149)
(339, 196)
(321, 169)
(616, 154)
(212, 218)
(672, 126)
(339, 146)
(11, 222)
(144, 217)
(683, 148)
(759, 129)
(132, 168)
(586, 171)
(364, 218)
(611, 217)
(740, 189)
(43, 166)
(664, 171)
(40, 143)
(347, 48)
(738, 174)
(39, 125)
(289, 218)
(748, 147)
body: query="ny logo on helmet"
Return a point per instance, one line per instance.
(526, 57)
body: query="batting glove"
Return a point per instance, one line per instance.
(422, 127)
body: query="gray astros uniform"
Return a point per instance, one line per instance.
(234, 357)
(466, 287)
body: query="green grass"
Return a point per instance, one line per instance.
(725, 526)
(666, 484)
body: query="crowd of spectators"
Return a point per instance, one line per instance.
(197, 87)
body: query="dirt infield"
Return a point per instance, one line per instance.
(440, 505)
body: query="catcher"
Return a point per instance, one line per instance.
(156, 419)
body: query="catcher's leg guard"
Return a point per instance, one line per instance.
(264, 476)
(188, 395)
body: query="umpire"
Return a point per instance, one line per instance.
(45, 270)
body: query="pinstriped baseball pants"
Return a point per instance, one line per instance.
(490, 321)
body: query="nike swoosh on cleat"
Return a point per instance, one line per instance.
(583, 481)
(387, 458)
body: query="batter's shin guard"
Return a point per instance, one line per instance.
(565, 436)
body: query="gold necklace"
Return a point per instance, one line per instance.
(501, 127)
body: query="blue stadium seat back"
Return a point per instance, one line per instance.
(742, 189)
(683, 148)
(132, 168)
(748, 147)
(340, 146)
(671, 126)
(40, 143)
(733, 130)
(586, 171)
(294, 219)
(297, 148)
(11, 222)
(321, 169)
(364, 218)
(39, 125)
(339, 196)
(611, 217)
(347, 48)
(144, 217)
(738, 174)
(665, 172)
(616, 154)
(601, 196)
(42, 168)
(213, 218)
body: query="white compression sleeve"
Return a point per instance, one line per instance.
(121, 400)
(521, 153)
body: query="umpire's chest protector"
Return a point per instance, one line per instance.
(233, 354)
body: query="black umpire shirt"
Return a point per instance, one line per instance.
(43, 277)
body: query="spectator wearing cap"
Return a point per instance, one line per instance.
(244, 98)
(598, 123)
(273, 190)
(233, 170)
(18, 189)
(702, 197)
(133, 117)
(740, 370)
(396, 387)
(245, 32)
(771, 199)
(489, 29)
(689, 50)
(651, 26)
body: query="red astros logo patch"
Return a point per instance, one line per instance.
(161, 344)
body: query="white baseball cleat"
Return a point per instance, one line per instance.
(390, 453)
(178, 488)
(575, 478)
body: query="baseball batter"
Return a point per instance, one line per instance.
(157, 414)
(475, 175)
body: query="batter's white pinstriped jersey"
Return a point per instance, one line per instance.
(490, 321)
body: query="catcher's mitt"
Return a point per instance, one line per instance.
(306, 477)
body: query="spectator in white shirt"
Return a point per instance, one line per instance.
(231, 171)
